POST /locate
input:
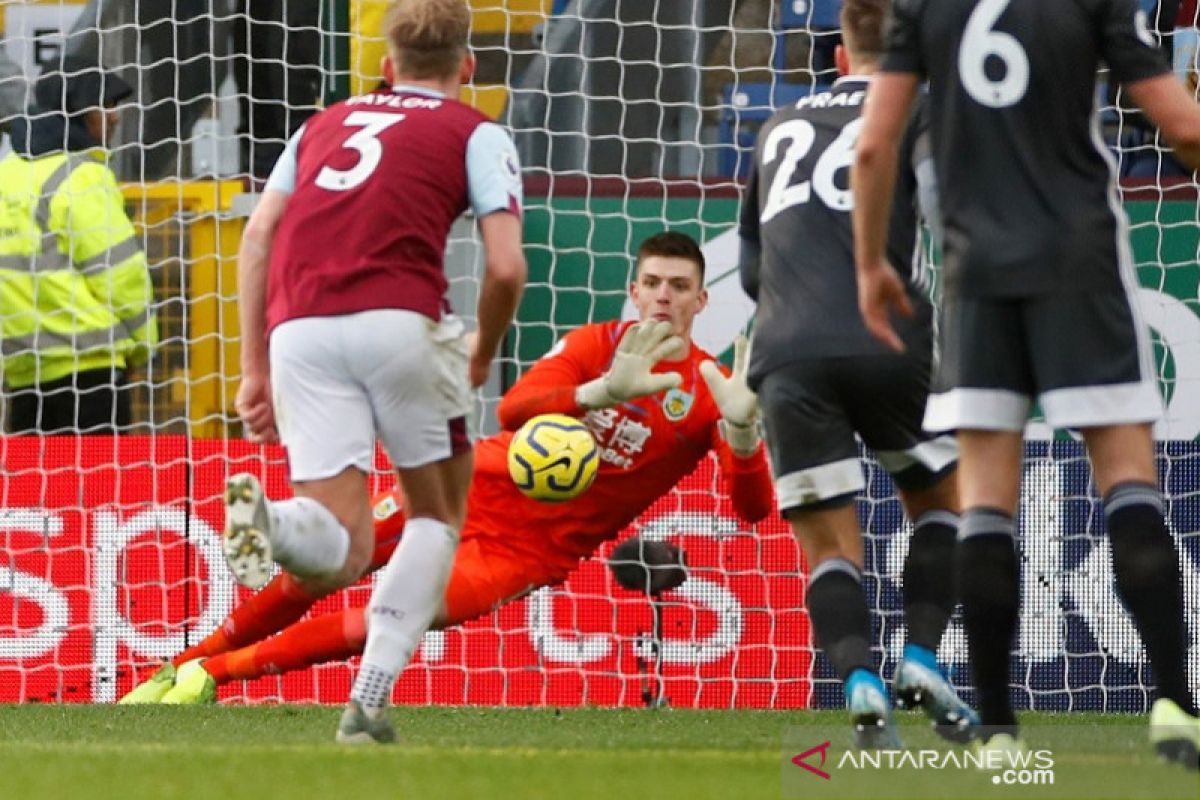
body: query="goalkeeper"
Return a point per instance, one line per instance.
(657, 405)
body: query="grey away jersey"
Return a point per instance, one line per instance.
(796, 207)
(1026, 182)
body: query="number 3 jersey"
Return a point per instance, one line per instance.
(1026, 180)
(796, 213)
(376, 181)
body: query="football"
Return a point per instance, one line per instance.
(553, 458)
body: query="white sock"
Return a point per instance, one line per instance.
(406, 598)
(307, 538)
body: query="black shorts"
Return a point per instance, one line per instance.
(813, 408)
(1085, 357)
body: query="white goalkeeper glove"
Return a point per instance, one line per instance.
(739, 405)
(641, 347)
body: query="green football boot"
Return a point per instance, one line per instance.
(193, 686)
(1174, 733)
(153, 688)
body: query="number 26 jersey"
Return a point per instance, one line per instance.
(796, 208)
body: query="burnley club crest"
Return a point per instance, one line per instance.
(677, 404)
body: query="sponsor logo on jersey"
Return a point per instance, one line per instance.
(677, 404)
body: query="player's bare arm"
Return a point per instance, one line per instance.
(500, 292)
(1174, 111)
(872, 180)
(253, 401)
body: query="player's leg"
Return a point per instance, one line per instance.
(817, 475)
(322, 534)
(278, 605)
(329, 637)
(929, 599)
(286, 599)
(344, 497)
(928, 572)
(409, 590)
(987, 567)
(486, 575)
(1144, 555)
(1109, 391)
(983, 389)
(832, 543)
(420, 397)
(885, 400)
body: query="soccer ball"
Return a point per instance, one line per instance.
(553, 458)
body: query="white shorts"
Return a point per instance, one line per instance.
(341, 382)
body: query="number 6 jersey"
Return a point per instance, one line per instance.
(796, 212)
(376, 181)
(1016, 135)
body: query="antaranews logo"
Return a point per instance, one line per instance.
(826, 769)
(801, 760)
(1029, 766)
(1023, 767)
(1054, 758)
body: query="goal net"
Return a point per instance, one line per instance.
(630, 118)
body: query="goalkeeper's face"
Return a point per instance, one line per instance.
(669, 288)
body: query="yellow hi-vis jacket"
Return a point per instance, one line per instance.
(75, 293)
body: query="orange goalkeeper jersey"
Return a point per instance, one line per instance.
(646, 446)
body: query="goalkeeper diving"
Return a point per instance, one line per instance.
(656, 403)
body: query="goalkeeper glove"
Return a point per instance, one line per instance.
(641, 347)
(648, 566)
(739, 405)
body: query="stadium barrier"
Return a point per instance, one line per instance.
(111, 560)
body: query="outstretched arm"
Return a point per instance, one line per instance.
(631, 375)
(738, 404)
(749, 480)
(583, 373)
(738, 445)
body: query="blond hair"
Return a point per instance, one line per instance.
(863, 24)
(427, 38)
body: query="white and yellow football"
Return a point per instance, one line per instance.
(553, 458)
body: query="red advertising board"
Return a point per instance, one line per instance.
(110, 559)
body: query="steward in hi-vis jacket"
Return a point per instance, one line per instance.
(75, 294)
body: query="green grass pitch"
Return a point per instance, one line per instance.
(287, 753)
